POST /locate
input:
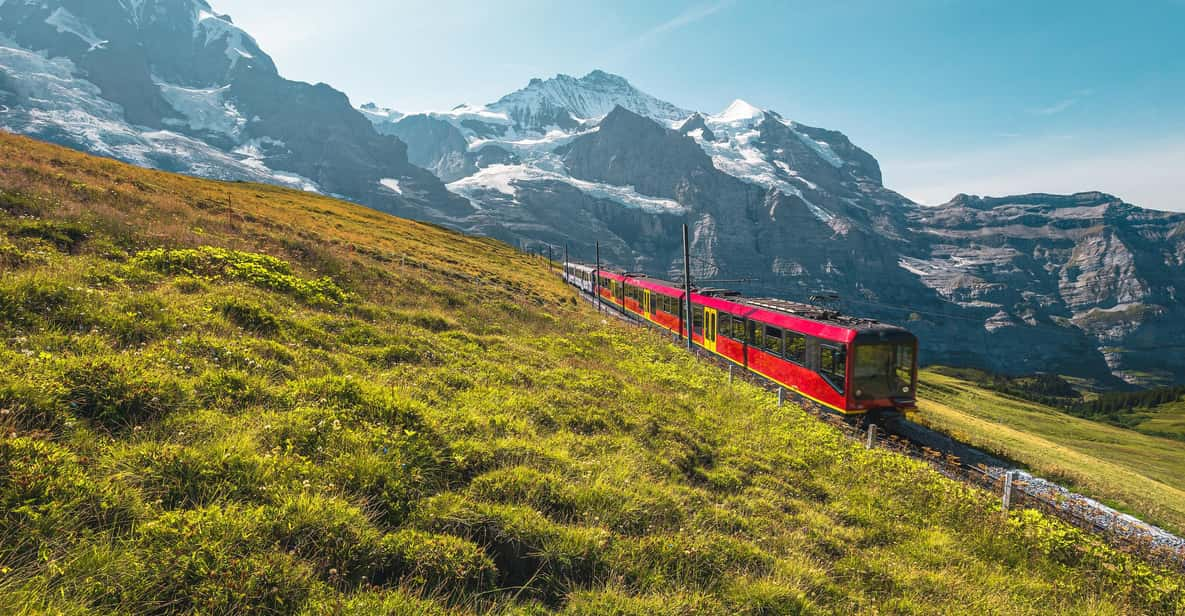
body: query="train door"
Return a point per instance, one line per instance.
(710, 320)
(646, 304)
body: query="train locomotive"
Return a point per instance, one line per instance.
(845, 364)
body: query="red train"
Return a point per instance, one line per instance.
(849, 365)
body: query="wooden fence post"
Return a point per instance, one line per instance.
(871, 436)
(781, 396)
(730, 375)
(1007, 498)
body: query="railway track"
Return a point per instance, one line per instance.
(962, 462)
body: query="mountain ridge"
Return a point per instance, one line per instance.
(796, 208)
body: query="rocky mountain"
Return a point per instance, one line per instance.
(173, 85)
(1083, 284)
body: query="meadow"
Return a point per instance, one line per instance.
(1135, 472)
(230, 398)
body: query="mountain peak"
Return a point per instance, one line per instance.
(586, 98)
(738, 111)
(597, 75)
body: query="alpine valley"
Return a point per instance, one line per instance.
(1084, 285)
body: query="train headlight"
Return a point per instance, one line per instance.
(859, 393)
(905, 389)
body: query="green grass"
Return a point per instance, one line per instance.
(262, 410)
(1135, 472)
(1166, 420)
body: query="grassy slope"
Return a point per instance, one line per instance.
(1136, 472)
(1167, 420)
(191, 429)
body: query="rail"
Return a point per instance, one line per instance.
(1016, 489)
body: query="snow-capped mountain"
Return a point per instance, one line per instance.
(1018, 285)
(171, 84)
(566, 102)
(1083, 284)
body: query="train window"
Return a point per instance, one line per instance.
(755, 334)
(724, 325)
(796, 348)
(738, 329)
(697, 315)
(773, 341)
(833, 365)
(654, 303)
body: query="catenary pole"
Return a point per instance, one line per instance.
(597, 278)
(687, 285)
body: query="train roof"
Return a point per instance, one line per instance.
(826, 322)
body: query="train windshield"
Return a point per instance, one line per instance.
(883, 371)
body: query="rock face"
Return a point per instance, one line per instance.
(1085, 284)
(169, 84)
(1082, 284)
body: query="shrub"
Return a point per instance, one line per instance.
(263, 271)
(250, 316)
(117, 398)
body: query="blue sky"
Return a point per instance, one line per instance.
(951, 96)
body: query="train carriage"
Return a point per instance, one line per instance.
(849, 365)
(580, 276)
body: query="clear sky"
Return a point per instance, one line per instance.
(983, 97)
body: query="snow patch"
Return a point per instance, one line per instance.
(392, 185)
(822, 149)
(738, 111)
(505, 178)
(217, 28)
(734, 153)
(53, 103)
(205, 109)
(65, 21)
(587, 98)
